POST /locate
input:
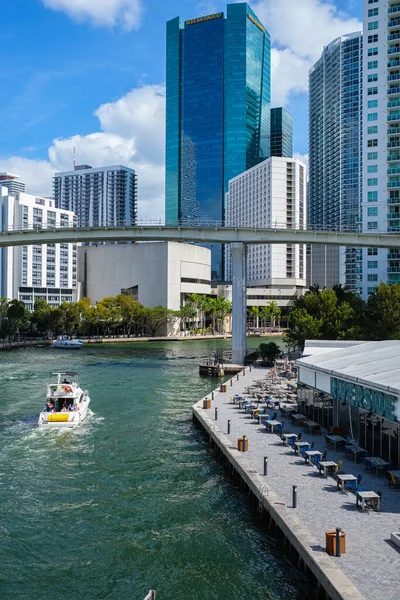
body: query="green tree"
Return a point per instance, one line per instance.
(254, 312)
(158, 316)
(382, 313)
(40, 317)
(187, 313)
(269, 352)
(71, 319)
(265, 315)
(275, 313)
(321, 314)
(17, 315)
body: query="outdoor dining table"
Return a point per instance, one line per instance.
(298, 446)
(312, 456)
(371, 498)
(345, 480)
(288, 437)
(377, 463)
(335, 441)
(287, 410)
(311, 426)
(327, 466)
(355, 452)
(298, 417)
(272, 424)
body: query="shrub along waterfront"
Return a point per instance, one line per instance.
(119, 315)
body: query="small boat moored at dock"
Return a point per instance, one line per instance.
(66, 403)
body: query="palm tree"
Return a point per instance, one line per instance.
(194, 301)
(265, 314)
(255, 313)
(275, 313)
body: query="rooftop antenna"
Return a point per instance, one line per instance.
(74, 158)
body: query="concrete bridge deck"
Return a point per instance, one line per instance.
(371, 566)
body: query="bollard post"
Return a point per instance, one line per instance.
(231, 382)
(295, 496)
(212, 396)
(244, 443)
(216, 413)
(338, 541)
(237, 377)
(229, 426)
(250, 368)
(244, 371)
(265, 465)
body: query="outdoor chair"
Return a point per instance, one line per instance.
(274, 416)
(339, 466)
(394, 482)
(299, 437)
(324, 456)
(312, 445)
(359, 478)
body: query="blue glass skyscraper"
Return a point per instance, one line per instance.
(218, 112)
(281, 133)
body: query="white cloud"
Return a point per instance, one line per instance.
(289, 74)
(133, 135)
(302, 157)
(110, 13)
(141, 114)
(299, 31)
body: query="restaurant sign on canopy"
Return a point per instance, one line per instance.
(378, 403)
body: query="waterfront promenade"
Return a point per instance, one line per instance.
(371, 562)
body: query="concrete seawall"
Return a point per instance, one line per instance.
(331, 581)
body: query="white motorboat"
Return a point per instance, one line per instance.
(66, 403)
(67, 343)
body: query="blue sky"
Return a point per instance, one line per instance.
(64, 59)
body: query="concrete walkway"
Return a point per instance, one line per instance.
(371, 561)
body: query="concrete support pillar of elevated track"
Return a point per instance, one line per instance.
(239, 302)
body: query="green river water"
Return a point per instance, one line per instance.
(133, 499)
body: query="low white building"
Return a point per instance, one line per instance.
(47, 271)
(271, 194)
(156, 273)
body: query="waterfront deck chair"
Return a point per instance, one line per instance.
(394, 482)
(339, 467)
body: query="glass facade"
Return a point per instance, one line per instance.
(281, 133)
(218, 112)
(335, 134)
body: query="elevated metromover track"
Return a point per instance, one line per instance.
(214, 234)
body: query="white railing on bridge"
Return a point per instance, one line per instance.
(204, 224)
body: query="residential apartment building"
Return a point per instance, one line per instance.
(12, 183)
(271, 194)
(47, 271)
(336, 159)
(218, 112)
(101, 196)
(381, 138)
(281, 133)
